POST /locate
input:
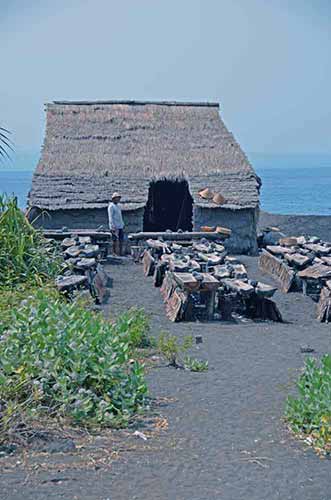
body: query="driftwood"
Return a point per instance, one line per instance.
(272, 265)
(324, 305)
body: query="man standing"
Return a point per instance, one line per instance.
(116, 223)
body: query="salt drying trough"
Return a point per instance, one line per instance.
(302, 264)
(199, 280)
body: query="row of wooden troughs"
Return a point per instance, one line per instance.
(82, 253)
(302, 264)
(199, 281)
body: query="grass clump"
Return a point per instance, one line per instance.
(60, 360)
(173, 351)
(195, 365)
(25, 256)
(309, 414)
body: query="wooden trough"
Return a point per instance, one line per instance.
(199, 281)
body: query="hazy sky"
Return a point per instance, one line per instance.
(268, 62)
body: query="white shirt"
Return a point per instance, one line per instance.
(115, 216)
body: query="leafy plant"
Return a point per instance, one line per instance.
(25, 256)
(133, 327)
(310, 412)
(171, 348)
(195, 365)
(59, 359)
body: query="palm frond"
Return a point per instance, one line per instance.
(5, 143)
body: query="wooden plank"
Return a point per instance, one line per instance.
(221, 272)
(316, 272)
(209, 282)
(318, 249)
(201, 247)
(278, 269)
(279, 250)
(239, 286)
(239, 271)
(148, 263)
(264, 290)
(58, 234)
(218, 248)
(158, 245)
(178, 265)
(187, 281)
(298, 260)
(324, 305)
(211, 258)
(197, 235)
(288, 241)
(65, 283)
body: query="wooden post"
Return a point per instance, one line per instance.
(210, 306)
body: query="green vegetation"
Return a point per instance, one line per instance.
(59, 359)
(133, 326)
(25, 256)
(173, 350)
(195, 365)
(309, 413)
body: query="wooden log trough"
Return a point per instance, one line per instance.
(198, 280)
(301, 264)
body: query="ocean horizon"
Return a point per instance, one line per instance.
(291, 183)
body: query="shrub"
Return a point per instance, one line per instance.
(133, 326)
(310, 412)
(59, 359)
(171, 348)
(25, 256)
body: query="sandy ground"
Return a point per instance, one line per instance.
(225, 439)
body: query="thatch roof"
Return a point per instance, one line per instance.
(94, 148)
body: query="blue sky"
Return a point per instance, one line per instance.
(266, 62)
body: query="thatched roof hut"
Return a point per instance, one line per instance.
(94, 148)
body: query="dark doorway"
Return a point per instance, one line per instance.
(169, 206)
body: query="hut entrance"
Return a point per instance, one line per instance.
(169, 206)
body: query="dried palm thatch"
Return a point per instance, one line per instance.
(92, 149)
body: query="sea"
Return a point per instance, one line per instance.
(291, 184)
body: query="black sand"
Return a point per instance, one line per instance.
(226, 438)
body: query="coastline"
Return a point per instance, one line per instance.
(296, 225)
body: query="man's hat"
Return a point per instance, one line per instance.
(116, 195)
